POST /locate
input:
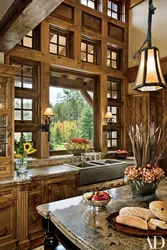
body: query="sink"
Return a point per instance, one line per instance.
(100, 170)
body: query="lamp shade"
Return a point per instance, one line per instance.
(108, 115)
(149, 75)
(49, 112)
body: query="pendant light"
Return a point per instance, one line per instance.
(149, 75)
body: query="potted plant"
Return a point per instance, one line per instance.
(76, 146)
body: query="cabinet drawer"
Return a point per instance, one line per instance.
(7, 194)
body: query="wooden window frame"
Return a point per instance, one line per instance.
(35, 39)
(96, 4)
(111, 102)
(119, 9)
(95, 45)
(67, 35)
(117, 60)
(118, 89)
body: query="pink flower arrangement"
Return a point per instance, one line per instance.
(148, 174)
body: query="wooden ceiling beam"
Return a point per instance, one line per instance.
(22, 17)
(87, 97)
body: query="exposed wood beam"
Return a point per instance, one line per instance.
(22, 17)
(70, 84)
(87, 97)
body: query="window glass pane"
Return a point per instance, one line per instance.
(114, 64)
(3, 150)
(91, 4)
(109, 4)
(17, 103)
(2, 102)
(27, 115)
(17, 82)
(30, 33)
(108, 94)
(90, 58)
(114, 7)
(62, 51)
(3, 137)
(114, 86)
(84, 2)
(83, 56)
(28, 136)
(109, 143)
(27, 71)
(53, 48)
(114, 110)
(115, 118)
(17, 136)
(53, 38)
(62, 40)
(27, 83)
(3, 121)
(114, 55)
(108, 54)
(114, 143)
(90, 49)
(17, 115)
(83, 46)
(27, 104)
(114, 15)
(109, 12)
(27, 41)
(114, 94)
(114, 134)
(108, 62)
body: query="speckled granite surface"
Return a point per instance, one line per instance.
(36, 173)
(88, 229)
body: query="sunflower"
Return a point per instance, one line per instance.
(32, 151)
(27, 147)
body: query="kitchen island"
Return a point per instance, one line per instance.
(78, 227)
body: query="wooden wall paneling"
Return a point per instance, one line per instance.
(91, 22)
(116, 32)
(22, 217)
(8, 218)
(64, 12)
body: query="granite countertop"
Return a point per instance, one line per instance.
(88, 228)
(37, 173)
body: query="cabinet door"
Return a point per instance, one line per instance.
(8, 217)
(59, 188)
(34, 200)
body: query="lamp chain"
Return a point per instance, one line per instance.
(151, 12)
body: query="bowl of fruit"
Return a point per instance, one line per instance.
(98, 199)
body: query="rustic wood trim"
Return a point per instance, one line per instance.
(134, 3)
(87, 97)
(20, 24)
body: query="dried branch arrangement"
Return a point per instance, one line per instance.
(146, 146)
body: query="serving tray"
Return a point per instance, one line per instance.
(111, 220)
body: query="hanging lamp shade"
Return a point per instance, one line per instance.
(149, 75)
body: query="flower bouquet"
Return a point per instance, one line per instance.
(22, 150)
(76, 146)
(121, 154)
(145, 176)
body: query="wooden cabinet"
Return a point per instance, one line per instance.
(35, 230)
(8, 218)
(59, 188)
(6, 120)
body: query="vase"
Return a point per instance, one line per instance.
(21, 166)
(142, 191)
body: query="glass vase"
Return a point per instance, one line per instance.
(21, 166)
(142, 191)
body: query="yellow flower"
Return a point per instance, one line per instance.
(27, 147)
(83, 146)
(18, 155)
(88, 146)
(32, 151)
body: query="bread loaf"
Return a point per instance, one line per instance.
(151, 226)
(159, 223)
(140, 212)
(132, 221)
(159, 209)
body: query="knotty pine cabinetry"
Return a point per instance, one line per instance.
(8, 218)
(6, 120)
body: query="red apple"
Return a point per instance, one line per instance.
(96, 197)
